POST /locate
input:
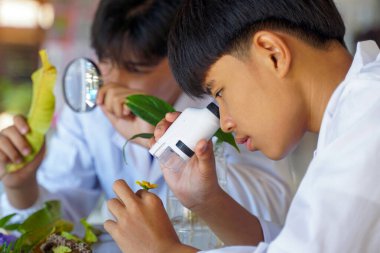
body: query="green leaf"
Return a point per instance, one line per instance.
(30, 239)
(7, 248)
(69, 236)
(143, 135)
(4, 221)
(41, 224)
(226, 137)
(153, 110)
(61, 226)
(149, 108)
(43, 217)
(42, 109)
(90, 232)
(61, 249)
(12, 227)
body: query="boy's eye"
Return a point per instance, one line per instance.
(133, 68)
(218, 93)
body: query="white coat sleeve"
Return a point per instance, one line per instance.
(66, 174)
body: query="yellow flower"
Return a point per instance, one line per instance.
(146, 185)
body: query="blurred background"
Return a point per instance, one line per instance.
(63, 28)
(26, 26)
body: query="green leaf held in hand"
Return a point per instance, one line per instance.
(143, 135)
(149, 108)
(153, 110)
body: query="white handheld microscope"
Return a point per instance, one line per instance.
(177, 145)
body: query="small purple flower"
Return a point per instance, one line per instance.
(7, 239)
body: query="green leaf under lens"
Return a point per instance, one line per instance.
(149, 108)
(153, 110)
(226, 137)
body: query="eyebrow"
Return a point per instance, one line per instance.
(132, 66)
(139, 64)
(209, 87)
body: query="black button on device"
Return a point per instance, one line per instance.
(212, 107)
(185, 149)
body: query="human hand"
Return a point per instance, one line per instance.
(13, 148)
(197, 182)
(142, 224)
(111, 99)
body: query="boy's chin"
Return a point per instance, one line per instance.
(275, 154)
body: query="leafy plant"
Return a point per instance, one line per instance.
(15, 97)
(153, 110)
(62, 249)
(4, 223)
(38, 226)
(6, 248)
(42, 224)
(91, 233)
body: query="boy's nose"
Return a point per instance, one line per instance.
(226, 122)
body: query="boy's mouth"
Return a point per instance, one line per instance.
(247, 141)
(241, 140)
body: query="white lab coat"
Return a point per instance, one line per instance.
(84, 158)
(337, 206)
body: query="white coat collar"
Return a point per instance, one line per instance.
(366, 52)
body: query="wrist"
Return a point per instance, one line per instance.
(215, 200)
(24, 196)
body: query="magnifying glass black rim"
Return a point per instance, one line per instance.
(64, 81)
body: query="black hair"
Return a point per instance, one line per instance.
(123, 30)
(205, 30)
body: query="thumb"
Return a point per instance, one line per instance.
(205, 154)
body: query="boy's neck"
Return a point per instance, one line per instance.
(329, 68)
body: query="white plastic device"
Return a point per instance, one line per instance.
(177, 145)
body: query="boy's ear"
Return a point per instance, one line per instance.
(273, 51)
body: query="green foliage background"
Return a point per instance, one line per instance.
(15, 98)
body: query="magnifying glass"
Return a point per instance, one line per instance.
(81, 82)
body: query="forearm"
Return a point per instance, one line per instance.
(23, 197)
(233, 224)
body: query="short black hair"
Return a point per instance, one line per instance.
(205, 30)
(138, 29)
